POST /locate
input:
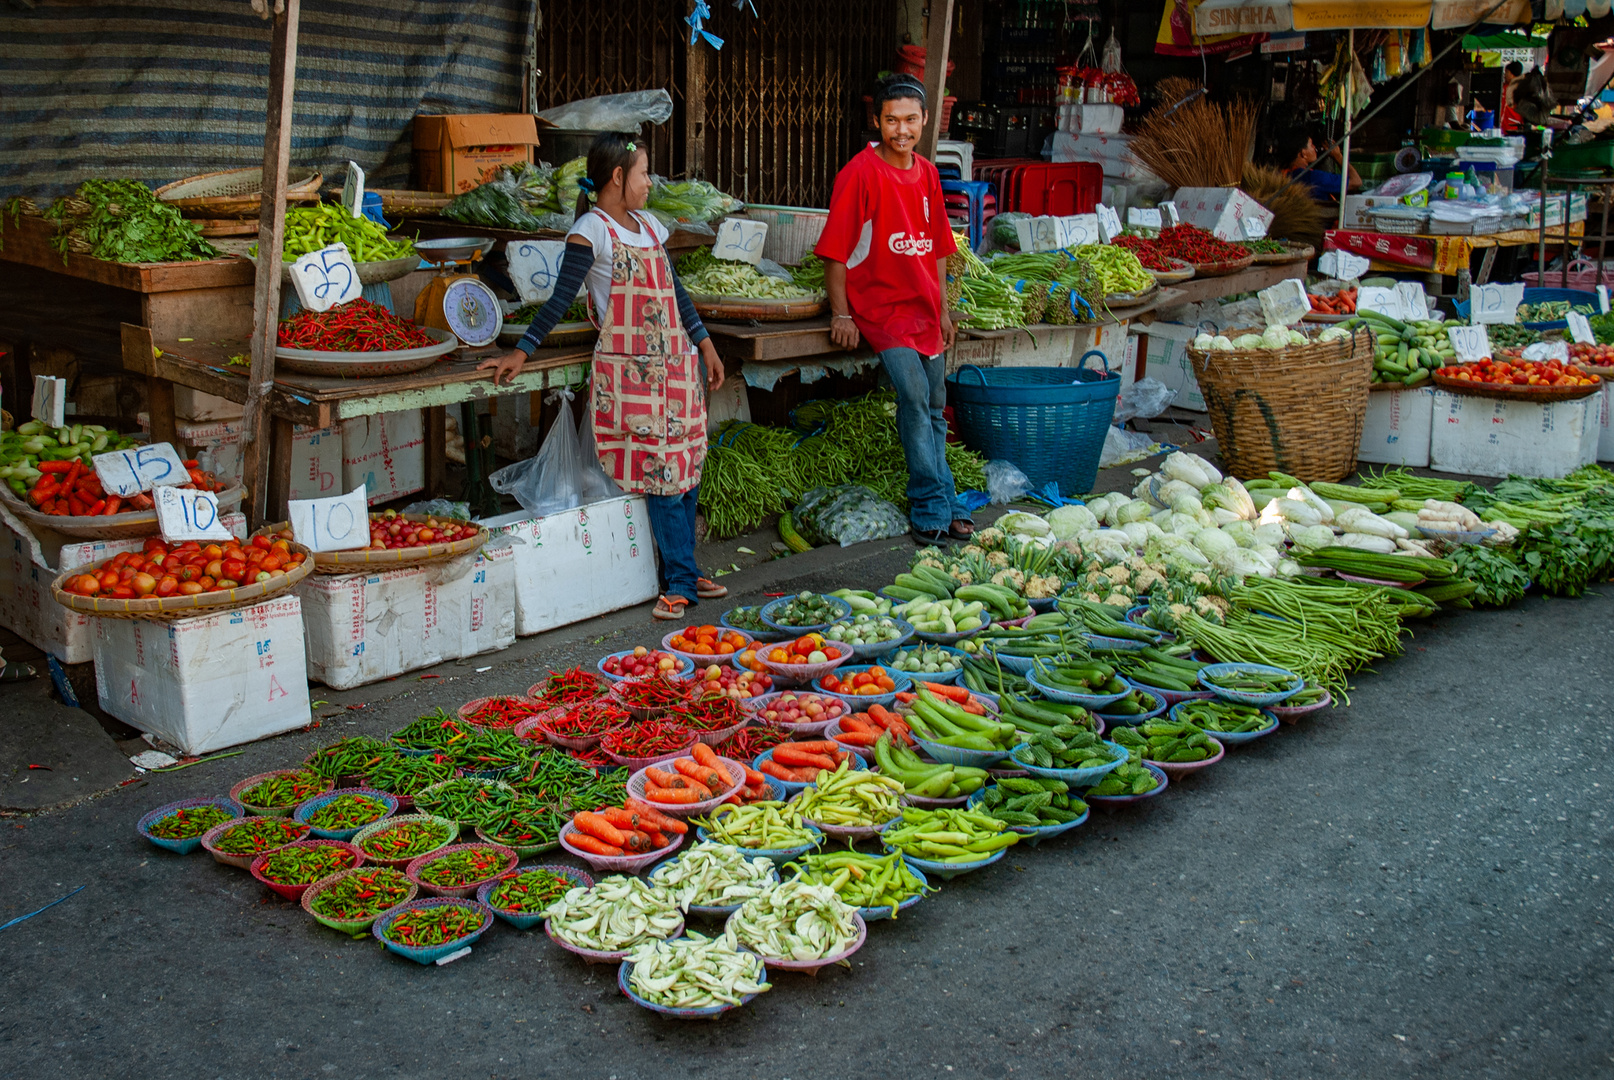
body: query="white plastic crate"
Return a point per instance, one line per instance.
(1484, 436)
(1397, 428)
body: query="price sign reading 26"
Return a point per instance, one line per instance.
(340, 523)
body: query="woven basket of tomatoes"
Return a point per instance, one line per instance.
(1509, 376)
(172, 581)
(68, 498)
(402, 540)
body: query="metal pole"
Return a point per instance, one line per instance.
(1345, 143)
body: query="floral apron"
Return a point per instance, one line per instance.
(648, 399)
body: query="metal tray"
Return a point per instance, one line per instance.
(395, 362)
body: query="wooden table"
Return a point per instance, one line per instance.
(321, 401)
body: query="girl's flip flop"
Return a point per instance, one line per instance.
(670, 607)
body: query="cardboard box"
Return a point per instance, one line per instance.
(1491, 437)
(1397, 428)
(316, 454)
(1358, 208)
(1167, 360)
(457, 153)
(580, 564)
(30, 560)
(208, 682)
(387, 453)
(361, 628)
(192, 404)
(1220, 210)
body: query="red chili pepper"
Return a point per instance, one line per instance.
(654, 692)
(356, 326)
(647, 739)
(502, 712)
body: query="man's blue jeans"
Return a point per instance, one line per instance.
(672, 523)
(933, 503)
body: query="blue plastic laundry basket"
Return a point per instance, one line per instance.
(1050, 422)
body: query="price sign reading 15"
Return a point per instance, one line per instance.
(129, 472)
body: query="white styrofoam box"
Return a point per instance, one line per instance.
(1129, 362)
(32, 560)
(1396, 430)
(1113, 153)
(1491, 437)
(1167, 360)
(386, 453)
(197, 405)
(1605, 431)
(208, 682)
(316, 454)
(1080, 118)
(580, 563)
(1219, 210)
(362, 628)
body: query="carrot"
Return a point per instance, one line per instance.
(974, 708)
(959, 694)
(657, 840)
(753, 778)
(714, 779)
(806, 776)
(112, 503)
(652, 816)
(905, 697)
(786, 754)
(585, 842)
(856, 722)
(704, 755)
(779, 772)
(675, 796)
(859, 738)
(819, 746)
(637, 842)
(597, 826)
(619, 817)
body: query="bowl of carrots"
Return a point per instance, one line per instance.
(703, 645)
(693, 785)
(795, 765)
(864, 684)
(858, 732)
(1335, 308)
(622, 839)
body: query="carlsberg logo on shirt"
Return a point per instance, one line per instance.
(903, 244)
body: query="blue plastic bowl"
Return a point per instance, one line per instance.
(520, 919)
(1235, 738)
(760, 635)
(1208, 673)
(1017, 664)
(1112, 719)
(791, 788)
(712, 1013)
(945, 677)
(710, 911)
(780, 856)
(685, 670)
(948, 871)
(1121, 800)
(1540, 296)
(883, 648)
(1089, 701)
(860, 702)
(190, 844)
(1034, 834)
(304, 810)
(766, 615)
(1077, 777)
(436, 952)
(954, 755)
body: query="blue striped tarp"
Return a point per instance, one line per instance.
(157, 91)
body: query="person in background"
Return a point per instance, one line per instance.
(1297, 154)
(885, 251)
(649, 393)
(1509, 120)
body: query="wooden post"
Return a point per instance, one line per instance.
(695, 110)
(257, 446)
(937, 41)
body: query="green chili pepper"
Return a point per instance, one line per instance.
(530, 891)
(259, 835)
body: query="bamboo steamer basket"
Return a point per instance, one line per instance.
(233, 193)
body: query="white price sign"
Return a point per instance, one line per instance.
(1580, 328)
(1074, 230)
(127, 473)
(1602, 299)
(50, 400)
(1492, 304)
(1144, 217)
(1471, 343)
(1254, 228)
(1384, 301)
(1413, 301)
(339, 523)
(353, 190)
(1109, 223)
(187, 514)
(1170, 210)
(326, 277)
(1285, 303)
(740, 240)
(534, 266)
(1342, 265)
(1547, 350)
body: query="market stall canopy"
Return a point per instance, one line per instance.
(1504, 40)
(1280, 16)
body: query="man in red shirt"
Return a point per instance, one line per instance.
(885, 251)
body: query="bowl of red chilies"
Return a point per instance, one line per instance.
(648, 743)
(651, 697)
(505, 711)
(576, 727)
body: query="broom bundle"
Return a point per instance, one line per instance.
(1295, 214)
(1197, 143)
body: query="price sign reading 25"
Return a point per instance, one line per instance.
(326, 277)
(534, 266)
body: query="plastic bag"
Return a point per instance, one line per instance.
(552, 480)
(1112, 55)
(441, 508)
(516, 197)
(689, 203)
(847, 514)
(1004, 233)
(1146, 398)
(612, 112)
(596, 485)
(1121, 446)
(1005, 482)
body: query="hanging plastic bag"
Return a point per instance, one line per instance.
(552, 480)
(1005, 482)
(596, 485)
(847, 514)
(1112, 55)
(1146, 398)
(612, 112)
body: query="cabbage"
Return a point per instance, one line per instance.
(1223, 517)
(1249, 341)
(1167, 493)
(1023, 524)
(1214, 542)
(1188, 468)
(1187, 504)
(1213, 475)
(1242, 563)
(1175, 547)
(1067, 521)
(1203, 342)
(1236, 497)
(1332, 333)
(1242, 532)
(1311, 537)
(1364, 542)
(1296, 337)
(1295, 511)
(1184, 525)
(1136, 510)
(1359, 519)
(1275, 337)
(1138, 532)
(1310, 498)
(1221, 341)
(1101, 505)
(1109, 546)
(1290, 568)
(1269, 535)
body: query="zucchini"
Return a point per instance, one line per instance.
(792, 538)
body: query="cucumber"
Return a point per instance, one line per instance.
(793, 539)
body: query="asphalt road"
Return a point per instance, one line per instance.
(1416, 885)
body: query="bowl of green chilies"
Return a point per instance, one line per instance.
(350, 900)
(1228, 722)
(1311, 699)
(460, 869)
(399, 841)
(238, 842)
(427, 930)
(290, 870)
(520, 896)
(340, 813)
(1250, 684)
(1087, 683)
(278, 793)
(179, 826)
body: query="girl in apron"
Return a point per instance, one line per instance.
(653, 364)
